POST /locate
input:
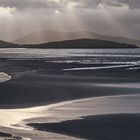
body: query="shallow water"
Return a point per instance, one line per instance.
(129, 59)
(91, 55)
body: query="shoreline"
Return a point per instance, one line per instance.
(44, 111)
(80, 126)
(27, 114)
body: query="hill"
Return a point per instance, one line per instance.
(71, 44)
(4, 44)
(81, 43)
(53, 36)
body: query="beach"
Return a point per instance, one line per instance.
(86, 87)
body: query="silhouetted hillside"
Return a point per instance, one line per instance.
(81, 43)
(53, 36)
(4, 44)
(68, 44)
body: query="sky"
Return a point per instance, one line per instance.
(108, 17)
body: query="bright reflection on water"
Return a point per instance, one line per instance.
(4, 77)
(66, 111)
(73, 109)
(94, 106)
(84, 56)
(23, 52)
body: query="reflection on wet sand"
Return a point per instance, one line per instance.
(4, 77)
(69, 110)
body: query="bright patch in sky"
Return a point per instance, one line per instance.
(57, 12)
(7, 10)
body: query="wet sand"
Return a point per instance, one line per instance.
(51, 116)
(112, 117)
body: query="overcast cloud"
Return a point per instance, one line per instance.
(112, 17)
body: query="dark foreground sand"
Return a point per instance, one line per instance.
(5, 135)
(106, 127)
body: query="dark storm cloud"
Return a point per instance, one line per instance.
(131, 3)
(115, 3)
(24, 4)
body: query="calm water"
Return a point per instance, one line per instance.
(86, 56)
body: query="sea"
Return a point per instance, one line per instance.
(86, 56)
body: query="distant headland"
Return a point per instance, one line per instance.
(72, 44)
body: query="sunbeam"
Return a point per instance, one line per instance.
(103, 17)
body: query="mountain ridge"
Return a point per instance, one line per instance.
(5, 44)
(81, 43)
(53, 36)
(71, 44)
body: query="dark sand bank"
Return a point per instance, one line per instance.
(106, 127)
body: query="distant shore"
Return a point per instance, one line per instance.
(81, 43)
